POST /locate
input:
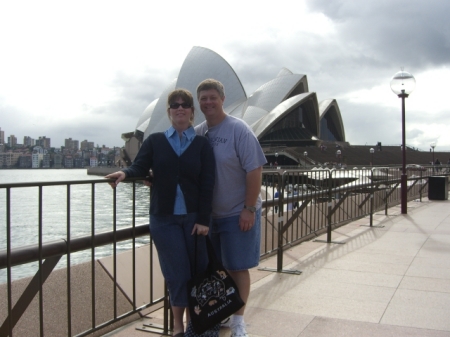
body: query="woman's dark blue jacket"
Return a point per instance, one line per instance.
(194, 171)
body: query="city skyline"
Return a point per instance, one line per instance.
(6, 136)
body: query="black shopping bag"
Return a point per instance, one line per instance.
(213, 295)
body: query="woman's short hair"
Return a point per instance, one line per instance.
(185, 95)
(209, 84)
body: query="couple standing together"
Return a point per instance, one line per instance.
(206, 181)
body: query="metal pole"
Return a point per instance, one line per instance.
(404, 176)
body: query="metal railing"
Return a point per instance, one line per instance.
(310, 203)
(48, 255)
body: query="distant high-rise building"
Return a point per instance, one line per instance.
(12, 141)
(44, 142)
(93, 162)
(2, 136)
(78, 162)
(37, 156)
(68, 162)
(46, 160)
(9, 159)
(58, 160)
(25, 161)
(86, 146)
(71, 144)
(28, 141)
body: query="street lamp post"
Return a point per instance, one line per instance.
(371, 156)
(338, 155)
(305, 154)
(433, 145)
(276, 159)
(402, 84)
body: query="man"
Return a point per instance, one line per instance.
(236, 224)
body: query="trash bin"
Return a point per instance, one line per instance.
(438, 188)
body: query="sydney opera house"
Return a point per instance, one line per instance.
(282, 112)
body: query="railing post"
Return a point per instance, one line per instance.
(385, 202)
(280, 225)
(420, 189)
(371, 198)
(329, 209)
(10, 325)
(168, 321)
(330, 182)
(280, 232)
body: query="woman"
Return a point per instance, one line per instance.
(183, 168)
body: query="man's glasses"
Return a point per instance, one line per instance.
(177, 105)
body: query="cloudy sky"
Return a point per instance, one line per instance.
(88, 69)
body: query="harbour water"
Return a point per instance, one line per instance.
(24, 212)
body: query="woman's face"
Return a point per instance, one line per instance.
(180, 113)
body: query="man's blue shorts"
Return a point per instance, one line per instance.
(237, 250)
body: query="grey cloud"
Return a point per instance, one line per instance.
(134, 93)
(327, 64)
(415, 32)
(414, 133)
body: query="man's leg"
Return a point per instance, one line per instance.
(228, 241)
(237, 324)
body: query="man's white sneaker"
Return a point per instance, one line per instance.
(238, 330)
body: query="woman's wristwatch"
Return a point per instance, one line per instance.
(250, 208)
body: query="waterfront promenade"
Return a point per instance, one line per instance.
(389, 280)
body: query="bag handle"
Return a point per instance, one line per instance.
(209, 248)
(195, 256)
(211, 253)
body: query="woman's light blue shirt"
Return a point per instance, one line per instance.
(179, 145)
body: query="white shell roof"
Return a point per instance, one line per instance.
(200, 64)
(282, 110)
(272, 93)
(262, 110)
(145, 117)
(159, 121)
(331, 106)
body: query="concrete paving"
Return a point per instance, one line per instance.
(392, 279)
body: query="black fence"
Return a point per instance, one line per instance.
(116, 279)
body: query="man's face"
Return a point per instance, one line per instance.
(210, 102)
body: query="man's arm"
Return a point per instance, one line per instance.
(252, 191)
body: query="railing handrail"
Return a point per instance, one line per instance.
(60, 247)
(65, 182)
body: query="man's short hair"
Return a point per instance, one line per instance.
(209, 84)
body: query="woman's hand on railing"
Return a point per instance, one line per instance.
(118, 176)
(149, 179)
